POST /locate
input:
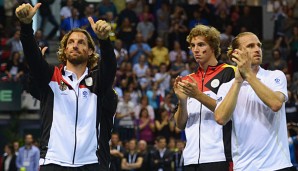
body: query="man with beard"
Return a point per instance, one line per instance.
(77, 100)
(255, 102)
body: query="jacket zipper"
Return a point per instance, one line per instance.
(200, 122)
(77, 113)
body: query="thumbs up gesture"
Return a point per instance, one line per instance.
(25, 12)
(101, 28)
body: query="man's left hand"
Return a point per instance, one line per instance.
(101, 28)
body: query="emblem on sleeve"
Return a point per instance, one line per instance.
(215, 83)
(277, 80)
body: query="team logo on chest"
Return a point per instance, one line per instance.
(215, 83)
(62, 86)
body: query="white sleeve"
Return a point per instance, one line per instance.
(278, 82)
(222, 92)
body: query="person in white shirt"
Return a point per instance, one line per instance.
(255, 102)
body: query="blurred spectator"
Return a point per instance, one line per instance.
(138, 48)
(281, 43)
(16, 146)
(160, 53)
(154, 96)
(163, 21)
(28, 157)
(128, 13)
(178, 66)
(177, 156)
(163, 79)
(120, 52)
(41, 41)
(144, 104)
(145, 126)
(177, 32)
(293, 42)
(141, 67)
(9, 160)
(84, 23)
(288, 23)
(65, 11)
(145, 154)
(111, 19)
(15, 69)
(132, 161)
(146, 28)
(291, 108)
(246, 19)
(197, 19)
(277, 63)
(161, 157)
(71, 22)
(125, 116)
(47, 16)
(207, 11)
(146, 11)
(117, 152)
(15, 44)
(106, 6)
(164, 127)
(293, 142)
(177, 50)
(126, 32)
(81, 6)
(9, 6)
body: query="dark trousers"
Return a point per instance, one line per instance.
(287, 169)
(214, 166)
(54, 167)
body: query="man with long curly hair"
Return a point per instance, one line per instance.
(77, 100)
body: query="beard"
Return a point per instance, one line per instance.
(77, 60)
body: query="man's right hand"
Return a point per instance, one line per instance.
(25, 12)
(178, 90)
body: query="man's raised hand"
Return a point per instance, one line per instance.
(25, 12)
(101, 28)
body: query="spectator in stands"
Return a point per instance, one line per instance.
(28, 157)
(138, 48)
(47, 16)
(128, 13)
(163, 77)
(277, 63)
(161, 157)
(177, 50)
(291, 108)
(293, 42)
(178, 156)
(145, 154)
(125, 116)
(146, 11)
(146, 28)
(81, 6)
(15, 44)
(126, 32)
(117, 152)
(164, 126)
(145, 126)
(71, 22)
(293, 142)
(9, 6)
(160, 54)
(141, 67)
(132, 161)
(9, 160)
(163, 21)
(41, 41)
(15, 69)
(106, 6)
(84, 23)
(197, 19)
(177, 66)
(65, 11)
(120, 52)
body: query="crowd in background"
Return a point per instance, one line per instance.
(151, 50)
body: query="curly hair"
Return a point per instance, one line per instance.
(211, 34)
(93, 58)
(235, 44)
